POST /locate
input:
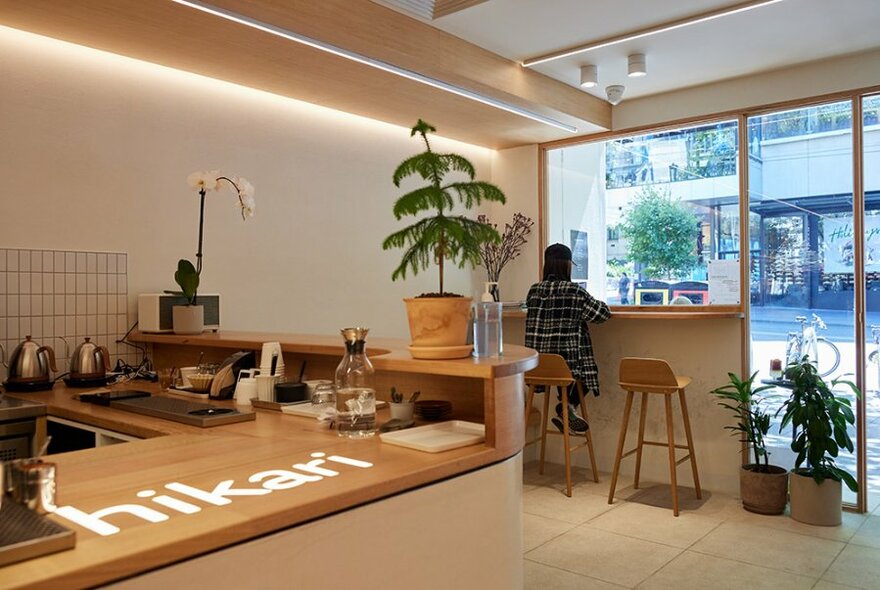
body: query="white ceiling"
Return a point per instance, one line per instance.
(766, 38)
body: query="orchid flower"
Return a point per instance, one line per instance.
(187, 275)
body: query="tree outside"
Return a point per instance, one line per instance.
(661, 233)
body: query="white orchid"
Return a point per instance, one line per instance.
(245, 192)
(204, 180)
(245, 188)
(187, 275)
(248, 204)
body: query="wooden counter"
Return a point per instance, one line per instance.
(203, 458)
(659, 312)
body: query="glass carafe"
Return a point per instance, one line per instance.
(355, 388)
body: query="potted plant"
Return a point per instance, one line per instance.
(438, 321)
(762, 487)
(495, 256)
(190, 318)
(820, 420)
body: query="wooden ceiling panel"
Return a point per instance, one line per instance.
(166, 33)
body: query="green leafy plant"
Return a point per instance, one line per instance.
(753, 422)
(820, 420)
(661, 233)
(442, 236)
(187, 278)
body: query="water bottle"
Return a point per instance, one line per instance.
(487, 329)
(355, 390)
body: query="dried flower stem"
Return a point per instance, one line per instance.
(496, 256)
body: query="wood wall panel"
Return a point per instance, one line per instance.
(183, 38)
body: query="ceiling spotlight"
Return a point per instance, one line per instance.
(615, 93)
(589, 76)
(637, 65)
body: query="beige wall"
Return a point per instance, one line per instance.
(96, 149)
(515, 170)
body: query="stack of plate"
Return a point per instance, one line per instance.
(434, 410)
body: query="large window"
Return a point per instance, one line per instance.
(644, 215)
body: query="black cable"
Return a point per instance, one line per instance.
(140, 348)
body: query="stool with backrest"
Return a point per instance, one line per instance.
(654, 376)
(552, 371)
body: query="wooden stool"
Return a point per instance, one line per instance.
(654, 376)
(552, 371)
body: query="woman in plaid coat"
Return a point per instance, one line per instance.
(556, 322)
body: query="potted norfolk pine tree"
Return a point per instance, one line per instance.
(438, 321)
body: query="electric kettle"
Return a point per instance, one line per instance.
(28, 367)
(88, 364)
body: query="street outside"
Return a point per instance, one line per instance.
(770, 327)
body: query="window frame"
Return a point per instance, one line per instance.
(741, 116)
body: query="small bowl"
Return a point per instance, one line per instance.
(201, 381)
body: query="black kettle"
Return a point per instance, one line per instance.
(28, 366)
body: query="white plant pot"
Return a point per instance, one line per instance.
(812, 503)
(188, 319)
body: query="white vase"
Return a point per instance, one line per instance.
(188, 319)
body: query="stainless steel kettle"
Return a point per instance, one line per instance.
(29, 362)
(89, 361)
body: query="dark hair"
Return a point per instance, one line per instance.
(557, 268)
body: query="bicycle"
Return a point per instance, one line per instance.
(820, 351)
(874, 356)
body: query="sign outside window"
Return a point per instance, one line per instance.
(838, 253)
(580, 255)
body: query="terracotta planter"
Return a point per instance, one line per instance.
(188, 319)
(813, 503)
(438, 327)
(763, 492)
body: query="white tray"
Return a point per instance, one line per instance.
(309, 411)
(435, 438)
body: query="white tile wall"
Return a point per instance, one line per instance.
(51, 294)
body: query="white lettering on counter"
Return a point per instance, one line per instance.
(217, 496)
(94, 520)
(270, 480)
(169, 502)
(347, 461)
(282, 479)
(312, 467)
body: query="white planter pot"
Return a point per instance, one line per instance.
(812, 503)
(188, 319)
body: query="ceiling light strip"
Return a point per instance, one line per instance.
(641, 33)
(374, 63)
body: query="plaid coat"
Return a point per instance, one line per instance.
(556, 322)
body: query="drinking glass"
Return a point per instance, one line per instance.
(325, 394)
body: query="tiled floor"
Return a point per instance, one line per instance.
(583, 543)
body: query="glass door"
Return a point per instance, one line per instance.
(870, 181)
(801, 187)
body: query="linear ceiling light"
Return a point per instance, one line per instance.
(375, 63)
(640, 33)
